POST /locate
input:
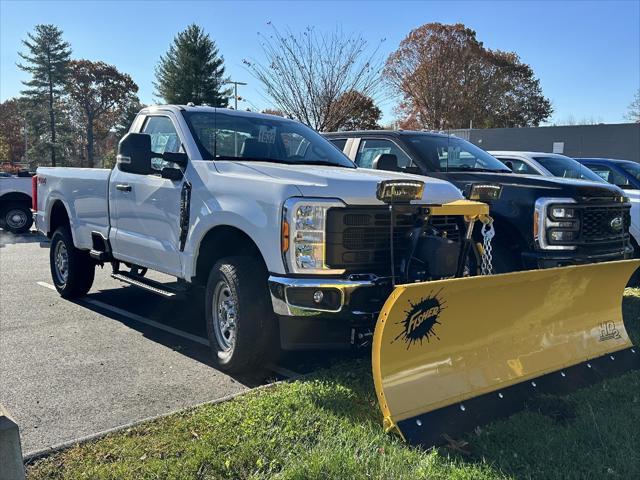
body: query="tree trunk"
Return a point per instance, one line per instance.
(52, 126)
(89, 142)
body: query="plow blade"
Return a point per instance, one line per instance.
(452, 354)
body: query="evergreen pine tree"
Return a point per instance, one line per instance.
(192, 71)
(46, 59)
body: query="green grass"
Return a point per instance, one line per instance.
(329, 426)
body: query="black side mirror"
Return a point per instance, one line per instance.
(134, 153)
(171, 173)
(178, 158)
(386, 161)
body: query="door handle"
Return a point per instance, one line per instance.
(123, 187)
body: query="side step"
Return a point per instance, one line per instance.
(166, 291)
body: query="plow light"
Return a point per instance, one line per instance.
(399, 191)
(484, 193)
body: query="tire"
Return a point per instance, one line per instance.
(16, 217)
(72, 270)
(238, 288)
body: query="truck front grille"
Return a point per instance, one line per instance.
(358, 238)
(599, 223)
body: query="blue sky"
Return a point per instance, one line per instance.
(586, 54)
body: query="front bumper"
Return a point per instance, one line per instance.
(347, 319)
(548, 259)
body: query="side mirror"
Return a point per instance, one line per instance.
(171, 173)
(134, 153)
(178, 158)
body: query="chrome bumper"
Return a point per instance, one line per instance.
(283, 305)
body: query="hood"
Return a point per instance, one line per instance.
(561, 186)
(354, 186)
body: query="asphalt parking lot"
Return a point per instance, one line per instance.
(73, 369)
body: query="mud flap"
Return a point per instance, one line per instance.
(452, 354)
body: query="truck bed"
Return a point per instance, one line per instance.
(85, 194)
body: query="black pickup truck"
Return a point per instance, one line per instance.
(540, 222)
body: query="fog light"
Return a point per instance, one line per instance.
(561, 236)
(318, 296)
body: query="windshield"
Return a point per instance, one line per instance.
(632, 169)
(568, 168)
(221, 136)
(454, 154)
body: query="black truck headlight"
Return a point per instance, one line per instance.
(304, 235)
(556, 223)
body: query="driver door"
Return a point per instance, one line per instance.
(148, 206)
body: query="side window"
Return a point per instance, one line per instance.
(164, 138)
(370, 149)
(610, 175)
(339, 142)
(518, 166)
(603, 172)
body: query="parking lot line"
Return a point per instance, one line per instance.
(137, 318)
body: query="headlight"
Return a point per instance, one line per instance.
(303, 235)
(556, 224)
(556, 212)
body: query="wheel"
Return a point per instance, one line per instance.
(72, 270)
(17, 218)
(239, 315)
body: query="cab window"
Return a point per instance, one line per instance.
(164, 138)
(339, 143)
(518, 166)
(370, 149)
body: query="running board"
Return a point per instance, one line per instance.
(150, 285)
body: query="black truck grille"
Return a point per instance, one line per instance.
(599, 224)
(358, 238)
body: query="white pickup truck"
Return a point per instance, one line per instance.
(292, 244)
(15, 203)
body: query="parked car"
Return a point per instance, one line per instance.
(290, 242)
(15, 203)
(539, 221)
(622, 173)
(626, 175)
(546, 164)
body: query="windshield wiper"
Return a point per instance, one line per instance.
(253, 159)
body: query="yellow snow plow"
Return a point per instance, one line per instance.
(452, 354)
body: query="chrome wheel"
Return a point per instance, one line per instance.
(224, 316)
(16, 219)
(61, 263)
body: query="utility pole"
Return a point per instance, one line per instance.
(235, 91)
(235, 98)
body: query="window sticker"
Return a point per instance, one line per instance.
(267, 134)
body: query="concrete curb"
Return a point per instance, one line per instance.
(11, 466)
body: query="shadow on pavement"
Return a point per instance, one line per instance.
(187, 315)
(8, 238)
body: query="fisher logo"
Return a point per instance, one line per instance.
(609, 331)
(616, 224)
(421, 320)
